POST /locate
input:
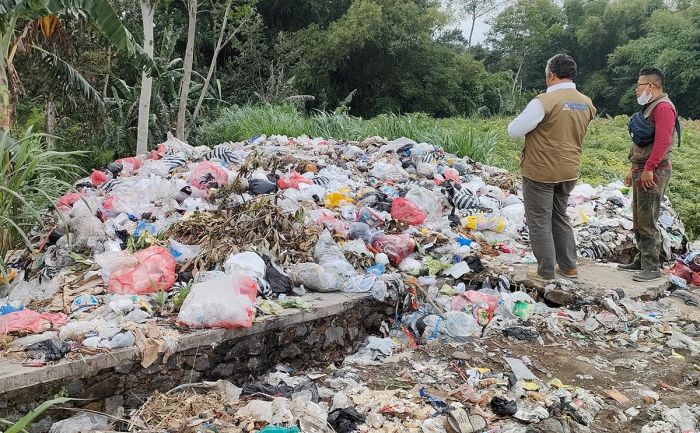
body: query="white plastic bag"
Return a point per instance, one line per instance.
(112, 260)
(329, 255)
(182, 252)
(247, 263)
(460, 324)
(426, 200)
(224, 302)
(314, 277)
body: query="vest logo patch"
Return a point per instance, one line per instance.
(574, 106)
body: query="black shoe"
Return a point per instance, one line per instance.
(647, 275)
(634, 266)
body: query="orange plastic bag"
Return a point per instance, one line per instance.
(154, 272)
(403, 209)
(224, 302)
(292, 180)
(30, 321)
(207, 172)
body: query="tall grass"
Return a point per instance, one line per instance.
(31, 178)
(242, 122)
(483, 139)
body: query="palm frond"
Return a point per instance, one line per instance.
(70, 77)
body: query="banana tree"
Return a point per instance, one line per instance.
(15, 13)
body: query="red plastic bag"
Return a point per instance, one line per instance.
(403, 209)
(472, 297)
(681, 270)
(224, 302)
(98, 178)
(397, 247)
(292, 180)
(207, 172)
(30, 321)
(131, 164)
(154, 272)
(66, 201)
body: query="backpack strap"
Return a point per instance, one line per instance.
(678, 131)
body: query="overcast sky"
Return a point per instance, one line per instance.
(480, 30)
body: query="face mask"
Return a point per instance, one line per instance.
(644, 98)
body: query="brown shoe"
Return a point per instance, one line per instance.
(535, 276)
(572, 274)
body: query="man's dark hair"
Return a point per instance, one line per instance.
(655, 74)
(562, 65)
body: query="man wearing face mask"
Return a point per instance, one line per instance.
(650, 172)
(553, 124)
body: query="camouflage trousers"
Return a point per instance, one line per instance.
(646, 207)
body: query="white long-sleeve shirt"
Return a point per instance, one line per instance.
(533, 114)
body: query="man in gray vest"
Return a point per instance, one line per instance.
(650, 174)
(553, 124)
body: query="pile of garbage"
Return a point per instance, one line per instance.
(198, 238)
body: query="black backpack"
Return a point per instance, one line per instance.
(642, 130)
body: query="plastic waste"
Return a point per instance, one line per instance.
(183, 253)
(404, 210)
(112, 260)
(246, 263)
(410, 266)
(390, 172)
(337, 199)
(314, 277)
(208, 174)
(81, 423)
(98, 177)
(460, 324)
(261, 186)
(224, 302)
(370, 217)
(359, 283)
(48, 350)
(503, 407)
(30, 321)
(332, 223)
(359, 230)
(66, 201)
(482, 222)
(427, 200)
(83, 302)
(292, 180)
(154, 272)
(330, 256)
(121, 340)
(277, 429)
(396, 247)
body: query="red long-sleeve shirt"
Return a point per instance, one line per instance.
(664, 118)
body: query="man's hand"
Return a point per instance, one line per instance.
(647, 180)
(628, 179)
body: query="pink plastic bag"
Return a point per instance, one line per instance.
(452, 174)
(131, 164)
(207, 172)
(472, 297)
(397, 247)
(403, 209)
(224, 302)
(30, 321)
(154, 272)
(98, 178)
(292, 180)
(332, 223)
(66, 201)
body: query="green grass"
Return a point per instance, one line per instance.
(486, 140)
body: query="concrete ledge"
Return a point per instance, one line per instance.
(594, 281)
(15, 377)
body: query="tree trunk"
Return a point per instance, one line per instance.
(5, 99)
(147, 9)
(212, 65)
(187, 70)
(50, 124)
(471, 31)
(109, 70)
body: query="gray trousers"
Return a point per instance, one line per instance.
(646, 207)
(551, 235)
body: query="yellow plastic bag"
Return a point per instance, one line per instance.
(483, 221)
(336, 199)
